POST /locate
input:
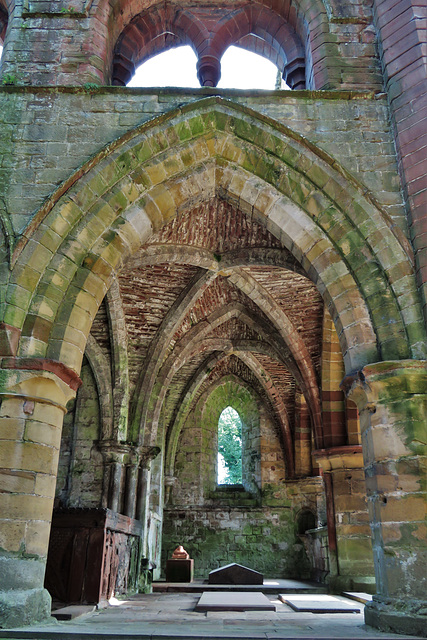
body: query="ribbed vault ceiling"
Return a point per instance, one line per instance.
(188, 325)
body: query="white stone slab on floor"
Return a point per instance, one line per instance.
(320, 603)
(360, 596)
(234, 601)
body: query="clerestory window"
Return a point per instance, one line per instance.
(240, 69)
(229, 447)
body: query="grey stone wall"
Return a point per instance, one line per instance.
(48, 133)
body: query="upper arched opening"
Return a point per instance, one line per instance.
(240, 69)
(162, 27)
(254, 28)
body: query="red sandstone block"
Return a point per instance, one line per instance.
(423, 274)
(413, 144)
(414, 120)
(406, 54)
(406, 41)
(332, 395)
(421, 223)
(404, 109)
(419, 242)
(419, 206)
(422, 261)
(416, 171)
(413, 133)
(417, 185)
(398, 28)
(415, 76)
(412, 94)
(407, 61)
(390, 9)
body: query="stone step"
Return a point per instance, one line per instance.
(72, 612)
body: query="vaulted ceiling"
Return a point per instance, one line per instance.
(214, 294)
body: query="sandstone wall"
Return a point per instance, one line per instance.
(47, 134)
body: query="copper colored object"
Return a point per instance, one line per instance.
(180, 554)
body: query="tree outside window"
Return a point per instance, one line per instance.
(229, 447)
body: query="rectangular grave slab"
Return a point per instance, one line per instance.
(235, 574)
(234, 601)
(321, 603)
(360, 596)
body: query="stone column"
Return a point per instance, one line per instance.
(330, 523)
(31, 413)
(209, 70)
(143, 494)
(343, 472)
(131, 485)
(392, 402)
(302, 439)
(113, 454)
(170, 482)
(142, 501)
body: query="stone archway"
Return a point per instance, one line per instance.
(112, 205)
(107, 210)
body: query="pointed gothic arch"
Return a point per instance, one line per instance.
(107, 209)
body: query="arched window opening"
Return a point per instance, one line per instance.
(229, 447)
(177, 67)
(173, 68)
(241, 69)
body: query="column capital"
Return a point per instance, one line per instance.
(345, 457)
(147, 454)
(391, 396)
(114, 451)
(38, 380)
(378, 381)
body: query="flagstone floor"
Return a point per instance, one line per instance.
(164, 616)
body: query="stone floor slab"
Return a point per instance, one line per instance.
(234, 601)
(72, 612)
(320, 603)
(359, 596)
(167, 617)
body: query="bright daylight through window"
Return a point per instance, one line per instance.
(229, 447)
(240, 69)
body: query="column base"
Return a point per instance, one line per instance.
(19, 608)
(24, 600)
(407, 616)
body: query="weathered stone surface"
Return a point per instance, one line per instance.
(319, 604)
(234, 601)
(24, 607)
(186, 250)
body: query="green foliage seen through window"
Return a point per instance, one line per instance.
(229, 447)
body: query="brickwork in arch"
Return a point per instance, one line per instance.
(107, 204)
(159, 188)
